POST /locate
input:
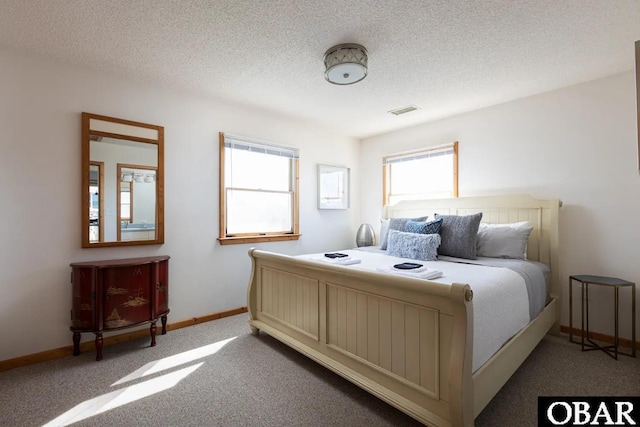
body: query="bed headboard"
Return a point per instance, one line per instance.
(541, 214)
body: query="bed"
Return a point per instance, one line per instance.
(407, 340)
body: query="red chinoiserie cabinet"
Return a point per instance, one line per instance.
(116, 294)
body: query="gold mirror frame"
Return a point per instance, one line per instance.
(97, 126)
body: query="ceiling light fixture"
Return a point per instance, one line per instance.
(345, 64)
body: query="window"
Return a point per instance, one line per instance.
(424, 174)
(258, 191)
(126, 201)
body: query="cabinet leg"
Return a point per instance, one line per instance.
(254, 330)
(163, 319)
(98, 346)
(152, 331)
(76, 343)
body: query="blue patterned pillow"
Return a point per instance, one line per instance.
(431, 227)
(413, 245)
(397, 224)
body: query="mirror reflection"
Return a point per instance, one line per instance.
(96, 204)
(136, 202)
(123, 176)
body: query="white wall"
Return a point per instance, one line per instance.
(40, 190)
(577, 144)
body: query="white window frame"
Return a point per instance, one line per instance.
(229, 140)
(389, 160)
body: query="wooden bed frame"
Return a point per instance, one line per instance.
(407, 341)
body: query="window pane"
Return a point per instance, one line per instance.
(125, 201)
(246, 169)
(94, 203)
(258, 212)
(415, 179)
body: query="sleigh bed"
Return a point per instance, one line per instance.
(407, 340)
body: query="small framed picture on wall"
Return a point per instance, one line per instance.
(333, 187)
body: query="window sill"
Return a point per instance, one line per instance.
(257, 239)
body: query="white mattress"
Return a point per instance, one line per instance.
(500, 299)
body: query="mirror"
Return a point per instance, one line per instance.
(122, 182)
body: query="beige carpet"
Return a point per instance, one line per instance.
(217, 374)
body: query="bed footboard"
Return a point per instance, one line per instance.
(407, 341)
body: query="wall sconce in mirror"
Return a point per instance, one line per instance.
(138, 177)
(333, 187)
(122, 182)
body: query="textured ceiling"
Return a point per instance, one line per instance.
(445, 57)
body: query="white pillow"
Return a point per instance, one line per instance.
(503, 240)
(384, 232)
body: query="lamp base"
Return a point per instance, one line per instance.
(365, 236)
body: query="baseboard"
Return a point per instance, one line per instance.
(609, 339)
(89, 346)
(207, 318)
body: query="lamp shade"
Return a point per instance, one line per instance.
(345, 64)
(365, 235)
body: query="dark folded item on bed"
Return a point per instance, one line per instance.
(407, 266)
(335, 255)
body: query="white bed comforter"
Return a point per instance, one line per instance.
(500, 299)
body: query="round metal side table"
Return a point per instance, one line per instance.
(587, 344)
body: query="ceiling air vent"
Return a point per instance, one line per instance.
(404, 110)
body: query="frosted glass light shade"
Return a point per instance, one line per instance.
(345, 64)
